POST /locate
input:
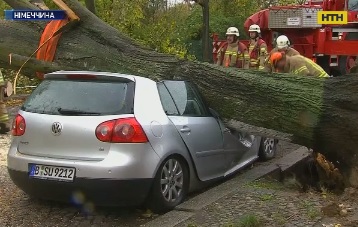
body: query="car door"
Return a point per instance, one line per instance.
(199, 130)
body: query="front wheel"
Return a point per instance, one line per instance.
(170, 185)
(268, 147)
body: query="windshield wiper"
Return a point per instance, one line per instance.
(75, 112)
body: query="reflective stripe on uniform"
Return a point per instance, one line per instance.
(302, 68)
(230, 53)
(317, 67)
(238, 55)
(4, 117)
(2, 82)
(263, 50)
(254, 61)
(323, 74)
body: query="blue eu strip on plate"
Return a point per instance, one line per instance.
(32, 170)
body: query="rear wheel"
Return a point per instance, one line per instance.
(268, 147)
(170, 185)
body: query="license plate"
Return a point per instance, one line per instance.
(52, 172)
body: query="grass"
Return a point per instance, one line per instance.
(292, 183)
(192, 225)
(279, 218)
(249, 220)
(311, 211)
(325, 193)
(267, 197)
(265, 183)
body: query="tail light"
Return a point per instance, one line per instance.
(124, 130)
(18, 126)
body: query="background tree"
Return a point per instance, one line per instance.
(91, 6)
(205, 29)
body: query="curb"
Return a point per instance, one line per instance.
(188, 208)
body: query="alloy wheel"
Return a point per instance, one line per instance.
(269, 145)
(172, 180)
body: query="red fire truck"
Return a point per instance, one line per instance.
(333, 47)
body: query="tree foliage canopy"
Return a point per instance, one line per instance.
(177, 28)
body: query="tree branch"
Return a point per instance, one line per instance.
(40, 4)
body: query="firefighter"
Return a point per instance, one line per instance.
(4, 117)
(282, 45)
(297, 64)
(257, 48)
(233, 53)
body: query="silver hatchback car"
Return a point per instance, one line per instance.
(115, 139)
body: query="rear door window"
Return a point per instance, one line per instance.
(353, 5)
(167, 101)
(81, 97)
(181, 98)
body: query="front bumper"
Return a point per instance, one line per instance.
(100, 192)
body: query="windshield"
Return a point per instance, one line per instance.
(352, 5)
(76, 97)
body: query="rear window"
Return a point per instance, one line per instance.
(79, 97)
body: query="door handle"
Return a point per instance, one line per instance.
(185, 129)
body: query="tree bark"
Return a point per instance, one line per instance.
(40, 4)
(206, 41)
(17, 61)
(314, 112)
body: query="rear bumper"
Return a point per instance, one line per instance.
(101, 192)
(130, 161)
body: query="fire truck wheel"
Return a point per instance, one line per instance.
(347, 62)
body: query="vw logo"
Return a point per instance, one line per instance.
(56, 128)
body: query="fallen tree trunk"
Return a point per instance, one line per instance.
(318, 113)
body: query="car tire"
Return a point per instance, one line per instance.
(268, 147)
(163, 188)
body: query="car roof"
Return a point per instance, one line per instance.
(62, 73)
